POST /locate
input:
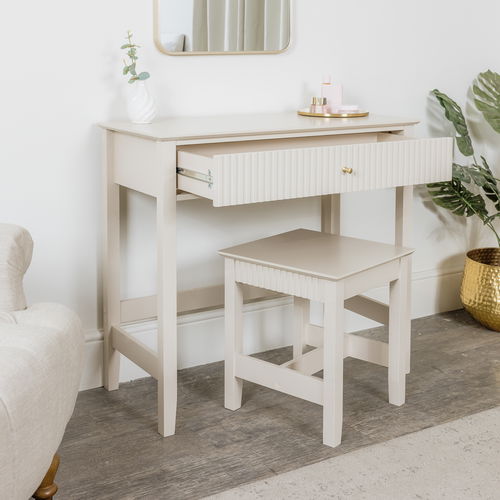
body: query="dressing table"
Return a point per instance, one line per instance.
(235, 160)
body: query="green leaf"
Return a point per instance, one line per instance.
(456, 198)
(480, 175)
(461, 173)
(487, 97)
(465, 145)
(126, 46)
(133, 79)
(490, 186)
(132, 69)
(126, 69)
(144, 75)
(468, 174)
(454, 114)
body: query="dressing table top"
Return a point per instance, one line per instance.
(212, 127)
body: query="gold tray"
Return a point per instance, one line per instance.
(305, 112)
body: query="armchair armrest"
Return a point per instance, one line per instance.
(16, 249)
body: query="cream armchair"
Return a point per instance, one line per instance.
(41, 354)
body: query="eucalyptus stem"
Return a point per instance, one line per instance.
(130, 67)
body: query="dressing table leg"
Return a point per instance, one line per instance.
(330, 213)
(404, 205)
(111, 267)
(167, 288)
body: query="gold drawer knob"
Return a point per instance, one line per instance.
(347, 170)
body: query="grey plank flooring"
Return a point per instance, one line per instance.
(111, 449)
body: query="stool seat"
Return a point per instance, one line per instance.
(334, 270)
(322, 255)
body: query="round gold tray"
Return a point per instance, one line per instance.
(305, 112)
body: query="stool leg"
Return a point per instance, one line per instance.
(333, 371)
(398, 326)
(234, 337)
(300, 321)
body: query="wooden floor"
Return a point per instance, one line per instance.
(111, 449)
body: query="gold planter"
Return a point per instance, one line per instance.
(480, 292)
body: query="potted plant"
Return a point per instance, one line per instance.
(141, 106)
(474, 191)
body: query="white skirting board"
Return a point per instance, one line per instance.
(267, 326)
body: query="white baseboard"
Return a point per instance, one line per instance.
(267, 326)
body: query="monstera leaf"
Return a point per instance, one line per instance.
(480, 175)
(456, 198)
(468, 174)
(487, 97)
(454, 114)
(490, 186)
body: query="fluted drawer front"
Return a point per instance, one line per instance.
(258, 176)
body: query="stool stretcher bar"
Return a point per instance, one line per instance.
(369, 308)
(365, 349)
(308, 364)
(279, 378)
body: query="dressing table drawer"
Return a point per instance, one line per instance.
(237, 173)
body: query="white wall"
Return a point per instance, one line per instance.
(62, 74)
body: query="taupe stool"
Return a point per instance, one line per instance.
(331, 269)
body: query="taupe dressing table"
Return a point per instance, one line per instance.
(236, 160)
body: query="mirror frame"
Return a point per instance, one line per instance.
(159, 46)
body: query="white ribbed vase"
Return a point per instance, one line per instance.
(141, 106)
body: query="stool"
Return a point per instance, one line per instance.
(334, 270)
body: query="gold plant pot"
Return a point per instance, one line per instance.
(480, 291)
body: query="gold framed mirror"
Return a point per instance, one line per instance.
(222, 27)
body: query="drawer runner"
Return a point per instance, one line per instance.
(199, 176)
